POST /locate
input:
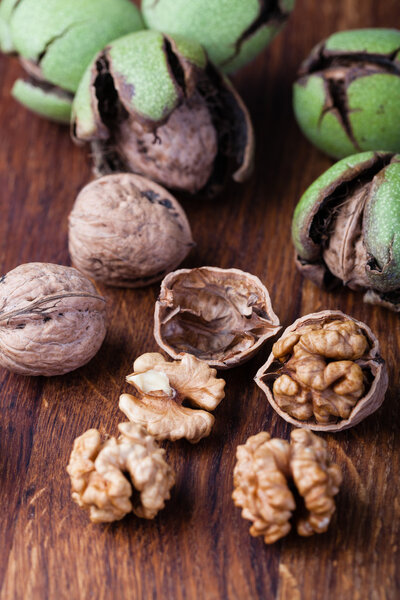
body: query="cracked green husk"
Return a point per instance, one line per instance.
(219, 25)
(60, 39)
(370, 102)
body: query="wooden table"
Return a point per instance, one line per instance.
(199, 546)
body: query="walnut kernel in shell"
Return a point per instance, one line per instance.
(263, 469)
(162, 386)
(52, 319)
(325, 373)
(126, 230)
(221, 316)
(104, 475)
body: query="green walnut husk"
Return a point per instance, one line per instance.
(346, 227)
(346, 98)
(233, 32)
(56, 40)
(154, 105)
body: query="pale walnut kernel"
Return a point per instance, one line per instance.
(316, 479)
(99, 474)
(265, 467)
(312, 386)
(326, 373)
(162, 386)
(260, 481)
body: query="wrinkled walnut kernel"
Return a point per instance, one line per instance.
(261, 476)
(99, 474)
(325, 372)
(157, 405)
(221, 316)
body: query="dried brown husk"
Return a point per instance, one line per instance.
(371, 363)
(52, 319)
(128, 231)
(222, 316)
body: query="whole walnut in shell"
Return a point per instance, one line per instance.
(155, 105)
(52, 319)
(162, 386)
(221, 316)
(125, 230)
(105, 475)
(325, 373)
(262, 474)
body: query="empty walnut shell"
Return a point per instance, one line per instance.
(222, 316)
(126, 230)
(52, 320)
(325, 373)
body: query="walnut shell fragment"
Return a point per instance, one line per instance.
(160, 389)
(262, 473)
(325, 373)
(105, 475)
(126, 230)
(221, 316)
(52, 319)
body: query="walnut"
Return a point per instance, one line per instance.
(99, 474)
(161, 388)
(325, 373)
(125, 230)
(222, 316)
(52, 319)
(265, 467)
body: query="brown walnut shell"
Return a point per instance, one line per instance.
(52, 319)
(128, 231)
(370, 363)
(221, 316)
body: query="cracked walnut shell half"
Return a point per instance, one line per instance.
(325, 373)
(262, 473)
(221, 316)
(117, 476)
(162, 387)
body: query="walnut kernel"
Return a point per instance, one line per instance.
(52, 319)
(160, 389)
(125, 230)
(325, 372)
(99, 474)
(261, 475)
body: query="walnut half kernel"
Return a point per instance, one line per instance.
(263, 470)
(325, 373)
(162, 386)
(105, 475)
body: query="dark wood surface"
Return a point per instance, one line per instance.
(199, 546)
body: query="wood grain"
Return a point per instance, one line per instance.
(199, 546)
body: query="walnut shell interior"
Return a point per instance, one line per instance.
(353, 379)
(221, 316)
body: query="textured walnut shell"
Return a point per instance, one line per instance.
(125, 230)
(222, 316)
(52, 320)
(372, 361)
